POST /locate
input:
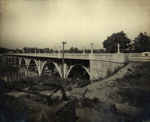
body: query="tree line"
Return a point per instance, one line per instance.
(47, 50)
(140, 44)
(71, 50)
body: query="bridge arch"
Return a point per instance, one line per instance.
(86, 69)
(32, 59)
(55, 64)
(21, 62)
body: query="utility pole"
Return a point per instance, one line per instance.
(63, 64)
(91, 48)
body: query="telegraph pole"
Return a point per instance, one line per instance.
(91, 48)
(63, 64)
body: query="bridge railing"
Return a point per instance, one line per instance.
(77, 56)
(87, 56)
(134, 54)
(103, 56)
(95, 56)
(140, 58)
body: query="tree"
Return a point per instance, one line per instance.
(71, 50)
(141, 43)
(51, 51)
(4, 50)
(26, 50)
(75, 50)
(87, 51)
(111, 43)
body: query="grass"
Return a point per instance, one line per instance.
(108, 74)
(135, 97)
(111, 73)
(77, 82)
(135, 87)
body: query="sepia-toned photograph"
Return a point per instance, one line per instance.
(74, 60)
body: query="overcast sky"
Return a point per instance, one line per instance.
(46, 23)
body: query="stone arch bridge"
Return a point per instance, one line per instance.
(95, 65)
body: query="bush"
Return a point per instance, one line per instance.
(138, 92)
(109, 73)
(68, 88)
(96, 100)
(129, 69)
(83, 83)
(135, 97)
(117, 69)
(87, 103)
(125, 64)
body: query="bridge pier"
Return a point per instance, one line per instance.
(66, 68)
(101, 68)
(98, 69)
(20, 61)
(40, 65)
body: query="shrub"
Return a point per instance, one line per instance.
(96, 100)
(117, 80)
(86, 102)
(83, 83)
(109, 73)
(117, 69)
(125, 64)
(68, 88)
(129, 69)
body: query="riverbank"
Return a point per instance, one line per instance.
(123, 96)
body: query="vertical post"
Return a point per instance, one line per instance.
(54, 49)
(91, 47)
(59, 55)
(7, 69)
(59, 49)
(118, 48)
(83, 50)
(27, 75)
(17, 67)
(63, 64)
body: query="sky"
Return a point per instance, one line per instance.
(47, 23)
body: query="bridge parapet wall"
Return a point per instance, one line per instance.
(85, 56)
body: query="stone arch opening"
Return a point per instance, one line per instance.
(23, 69)
(51, 69)
(23, 63)
(32, 68)
(78, 72)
